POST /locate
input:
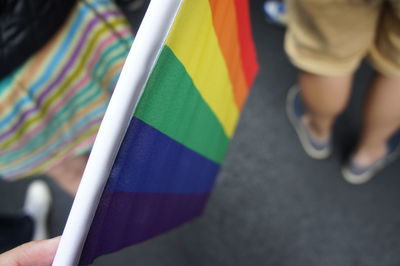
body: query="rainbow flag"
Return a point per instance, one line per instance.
(179, 133)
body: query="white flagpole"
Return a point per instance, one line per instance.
(144, 52)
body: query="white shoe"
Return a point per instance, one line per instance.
(37, 205)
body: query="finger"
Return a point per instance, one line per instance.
(35, 253)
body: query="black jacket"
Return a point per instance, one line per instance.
(26, 26)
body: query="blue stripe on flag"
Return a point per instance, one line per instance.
(150, 161)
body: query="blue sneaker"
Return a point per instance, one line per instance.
(295, 109)
(355, 174)
(275, 12)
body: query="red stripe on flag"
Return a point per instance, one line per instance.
(248, 51)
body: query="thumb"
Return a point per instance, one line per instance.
(35, 253)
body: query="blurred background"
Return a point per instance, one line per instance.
(272, 205)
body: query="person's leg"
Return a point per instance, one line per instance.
(312, 107)
(381, 119)
(69, 173)
(381, 110)
(325, 97)
(317, 43)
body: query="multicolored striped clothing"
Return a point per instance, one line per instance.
(52, 106)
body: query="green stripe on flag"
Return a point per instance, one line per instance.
(171, 104)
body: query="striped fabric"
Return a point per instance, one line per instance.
(180, 131)
(51, 107)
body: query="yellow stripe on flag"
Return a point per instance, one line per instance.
(194, 42)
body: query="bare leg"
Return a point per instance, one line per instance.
(325, 98)
(69, 174)
(381, 119)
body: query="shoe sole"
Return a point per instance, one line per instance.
(319, 155)
(361, 179)
(357, 179)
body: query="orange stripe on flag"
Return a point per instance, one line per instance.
(225, 26)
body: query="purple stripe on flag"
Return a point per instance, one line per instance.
(61, 75)
(125, 218)
(150, 161)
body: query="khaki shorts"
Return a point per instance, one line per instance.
(331, 37)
